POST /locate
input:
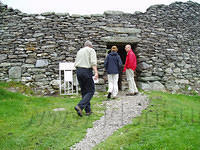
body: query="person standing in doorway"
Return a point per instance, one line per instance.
(86, 61)
(129, 68)
(113, 66)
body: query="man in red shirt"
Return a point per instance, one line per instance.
(129, 68)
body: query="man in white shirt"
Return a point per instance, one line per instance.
(86, 61)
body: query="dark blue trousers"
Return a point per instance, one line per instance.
(86, 83)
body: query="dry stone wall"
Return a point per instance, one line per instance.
(167, 39)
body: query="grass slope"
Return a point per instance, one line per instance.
(171, 122)
(28, 122)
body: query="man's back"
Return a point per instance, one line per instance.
(86, 58)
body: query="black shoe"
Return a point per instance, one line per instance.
(109, 95)
(136, 93)
(78, 110)
(88, 113)
(130, 94)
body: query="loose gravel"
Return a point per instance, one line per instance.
(117, 114)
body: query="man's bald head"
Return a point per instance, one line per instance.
(128, 47)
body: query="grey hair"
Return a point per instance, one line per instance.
(88, 43)
(129, 45)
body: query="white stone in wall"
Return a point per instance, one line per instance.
(41, 63)
(182, 81)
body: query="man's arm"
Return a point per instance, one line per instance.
(93, 60)
(96, 76)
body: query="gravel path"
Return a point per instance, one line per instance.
(117, 114)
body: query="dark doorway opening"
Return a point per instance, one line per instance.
(122, 53)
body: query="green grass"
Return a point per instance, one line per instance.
(171, 122)
(29, 122)
(18, 86)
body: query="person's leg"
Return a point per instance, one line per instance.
(131, 82)
(89, 91)
(129, 79)
(115, 84)
(110, 85)
(87, 108)
(134, 85)
(81, 81)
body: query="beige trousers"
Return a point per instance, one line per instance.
(131, 81)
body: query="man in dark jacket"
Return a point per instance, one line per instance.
(113, 65)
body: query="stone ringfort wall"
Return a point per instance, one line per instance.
(166, 37)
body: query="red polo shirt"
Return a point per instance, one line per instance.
(131, 61)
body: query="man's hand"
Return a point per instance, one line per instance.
(96, 76)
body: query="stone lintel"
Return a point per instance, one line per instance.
(130, 39)
(130, 31)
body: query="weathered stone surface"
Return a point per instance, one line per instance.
(144, 86)
(177, 70)
(151, 86)
(182, 81)
(143, 66)
(55, 84)
(27, 66)
(129, 39)
(169, 71)
(110, 12)
(38, 35)
(157, 86)
(131, 31)
(40, 17)
(41, 63)
(40, 77)
(152, 78)
(15, 73)
(30, 60)
(26, 79)
(3, 57)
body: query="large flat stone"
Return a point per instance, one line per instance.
(122, 30)
(112, 12)
(3, 57)
(144, 86)
(15, 73)
(152, 78)
(130, 39)
(143, 66)
(157, 86)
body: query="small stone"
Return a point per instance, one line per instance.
(177, 70)
(59, 109)
(169, 71)
(27, 66)
(182, 81)
(40, 17)
(38, 35)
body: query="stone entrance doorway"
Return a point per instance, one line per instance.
(122, 83)
(121, 37)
